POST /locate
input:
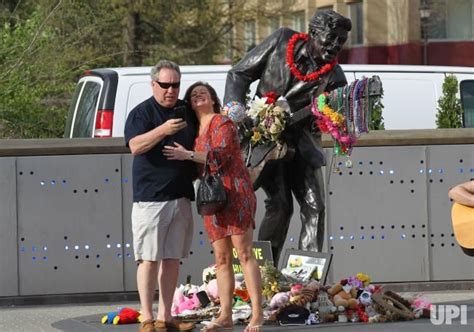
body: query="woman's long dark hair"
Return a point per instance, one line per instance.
(212, 92)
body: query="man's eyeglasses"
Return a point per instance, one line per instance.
(163, 85)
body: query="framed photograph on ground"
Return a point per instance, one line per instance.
(305, 265)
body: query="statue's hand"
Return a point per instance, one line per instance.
(245, 128)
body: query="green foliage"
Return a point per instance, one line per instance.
(46, 45)
(376, 116)
(449, 105)
(44, 49)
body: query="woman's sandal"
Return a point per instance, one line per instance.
(253, 328)
(215, 326)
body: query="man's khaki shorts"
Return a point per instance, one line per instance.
(162, 230)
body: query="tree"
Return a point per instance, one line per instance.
(449, 106)
(47, 45)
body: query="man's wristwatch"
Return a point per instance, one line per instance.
(191, 156)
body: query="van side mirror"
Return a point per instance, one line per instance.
(467, 102)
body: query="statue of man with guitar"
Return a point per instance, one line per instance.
(297, 66)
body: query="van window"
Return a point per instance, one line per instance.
(72, 108)
(85, 113)
(467, 100)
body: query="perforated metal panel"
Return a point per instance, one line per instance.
(8, 231)
(388, 215)
(377, 214)
(129, 265)
(69, 224)
(447, 167)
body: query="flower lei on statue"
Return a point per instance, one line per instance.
(290, 60)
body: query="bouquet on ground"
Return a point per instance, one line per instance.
(269, 116)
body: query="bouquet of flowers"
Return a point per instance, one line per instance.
(269, 117)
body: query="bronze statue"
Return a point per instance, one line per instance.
(298, 67)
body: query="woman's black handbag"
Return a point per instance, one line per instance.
(211, 194)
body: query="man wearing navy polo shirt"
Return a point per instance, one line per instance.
(162, 222)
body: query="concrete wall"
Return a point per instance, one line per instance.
(65, 213)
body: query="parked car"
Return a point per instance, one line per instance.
(104, 97)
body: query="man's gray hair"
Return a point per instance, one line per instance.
(155, 71)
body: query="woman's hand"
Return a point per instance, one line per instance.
(176, 152)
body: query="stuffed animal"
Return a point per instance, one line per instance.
(279, 300)
(188, 303)
(343, 294)
(324, 307)
(213, 292)
(123, 316)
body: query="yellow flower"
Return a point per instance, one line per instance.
(274, 287)
(365, 278)
(256, 137)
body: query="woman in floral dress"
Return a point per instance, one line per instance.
(218, 142)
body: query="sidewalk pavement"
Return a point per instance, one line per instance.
(86, 317)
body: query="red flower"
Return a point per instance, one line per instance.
(322, 125)
(271, 97)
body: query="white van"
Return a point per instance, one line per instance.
(104, 97)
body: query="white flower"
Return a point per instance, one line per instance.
(258, 105)
(274, 128)
(283, 104)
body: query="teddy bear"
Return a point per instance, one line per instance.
(343, 294)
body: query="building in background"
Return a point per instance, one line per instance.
(416, 32)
